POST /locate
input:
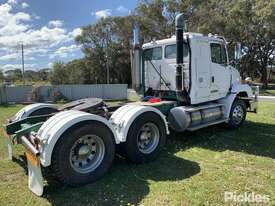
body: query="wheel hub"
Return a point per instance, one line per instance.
(83, 150)
(238, 114)
(148, 138)
(87, 153)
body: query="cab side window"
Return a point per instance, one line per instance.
(224, 56)
(171, 51)
(153, 54)
(218, 53)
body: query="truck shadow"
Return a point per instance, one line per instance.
(125, 183)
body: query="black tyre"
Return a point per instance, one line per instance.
(83, 154)
(237, 114)
(145, 138)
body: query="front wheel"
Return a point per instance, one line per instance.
(237, 114)
(145, 138)
(83, 154)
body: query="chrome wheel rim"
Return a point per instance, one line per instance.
(87, 153)
(238, 114)
(148, 138)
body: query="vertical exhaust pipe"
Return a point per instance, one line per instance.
(135, 59)
(180, 28)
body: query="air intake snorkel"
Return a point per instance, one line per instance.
(180, 27)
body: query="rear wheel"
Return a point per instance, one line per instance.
(145, 138)
(237, 114)
(83, 154)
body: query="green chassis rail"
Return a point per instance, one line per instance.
(25, 126)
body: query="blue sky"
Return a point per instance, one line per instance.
(48, 27)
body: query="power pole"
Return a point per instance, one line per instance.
(23, 66)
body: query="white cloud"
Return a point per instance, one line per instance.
(18, 66)
(12, 2)
(24, 5)
(11, 24)
(102, 13)
(16, 27)
(65, 51)
(17, 56)
(122, 9)
(75, 32)
(50, 65)
(36, 17)
(9, 56)
(55, 23)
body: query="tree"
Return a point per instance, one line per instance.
(1, 76)
(250, 22)
(44, 74)
(31, 75)
(59, 74)
(75, 70)
(157, 17)
(14, 74)
(107, 44)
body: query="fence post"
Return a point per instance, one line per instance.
(3, 95)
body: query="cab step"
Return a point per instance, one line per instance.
(193, 128)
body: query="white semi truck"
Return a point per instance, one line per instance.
(192, 86)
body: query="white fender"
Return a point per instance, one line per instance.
(229, 99)
(27, 110)
(237, 88)
(55, 126)
(123, 117)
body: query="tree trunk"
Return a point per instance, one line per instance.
(264, 79)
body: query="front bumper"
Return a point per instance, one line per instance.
(253, 102)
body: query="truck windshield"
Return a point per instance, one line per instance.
(153, 54)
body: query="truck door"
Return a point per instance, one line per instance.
(220, 73)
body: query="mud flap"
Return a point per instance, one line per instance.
(35, 174)
(9, 145)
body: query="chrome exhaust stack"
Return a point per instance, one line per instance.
(136, 60)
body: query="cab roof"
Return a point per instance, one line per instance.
(172, 40)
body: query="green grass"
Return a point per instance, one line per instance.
(194, 169)
(267, 92)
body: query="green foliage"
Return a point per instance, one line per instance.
(59, 74)
(107, 44)
(15, 74)
(250, 22)
(1, 75)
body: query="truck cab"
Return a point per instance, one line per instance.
(207, 73)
